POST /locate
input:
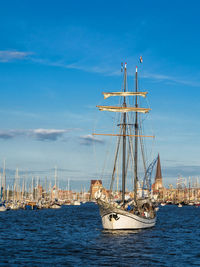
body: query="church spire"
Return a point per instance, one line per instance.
(158, 169)
(158, 178)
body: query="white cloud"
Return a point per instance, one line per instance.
(47, 134)
(90, 139)
(38, 134)
(6, 56)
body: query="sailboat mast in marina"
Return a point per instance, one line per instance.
(137, 212)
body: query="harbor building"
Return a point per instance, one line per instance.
(95, 185)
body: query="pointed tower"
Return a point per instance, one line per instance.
(158, 177)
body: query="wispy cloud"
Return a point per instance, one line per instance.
(6, 56)
(183, 170)
(108, 70)
(179, 80)
(101, 69)
(37, 134)
(20, 113)
(90, 139)
(104, 69)
(7, 134)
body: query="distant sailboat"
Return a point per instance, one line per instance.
(55, 206)
(2, 205)
(76, 203)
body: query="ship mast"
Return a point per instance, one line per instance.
(124, 142)
(136, 140)
(123, 133)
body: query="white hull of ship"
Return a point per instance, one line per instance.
(117, 221)
(114, 218)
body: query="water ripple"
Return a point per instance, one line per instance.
(73, 236)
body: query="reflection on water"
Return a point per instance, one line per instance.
(121, 232)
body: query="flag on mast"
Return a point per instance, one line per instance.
(122, 67)
(141, 60)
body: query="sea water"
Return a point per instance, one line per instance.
(73, 236)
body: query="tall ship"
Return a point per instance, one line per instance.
(138, 211)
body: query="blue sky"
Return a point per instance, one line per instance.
(56, 57)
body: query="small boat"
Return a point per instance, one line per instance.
(136, 212)
(14, 206)
(2, 203)
(2, 207)
(76, 203)
(180, 205)
(163, 204)
(67, 203)
(31, 205)
(190, 204)
(55, 206)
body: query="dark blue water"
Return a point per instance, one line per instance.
(73, 236)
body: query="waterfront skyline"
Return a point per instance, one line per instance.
(55, 61)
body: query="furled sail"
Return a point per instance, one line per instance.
(123, 109)
(143, 94)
